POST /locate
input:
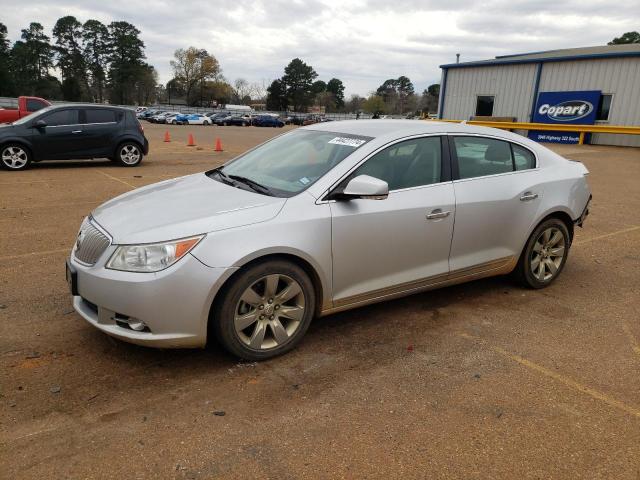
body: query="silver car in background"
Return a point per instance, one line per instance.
(321, 219)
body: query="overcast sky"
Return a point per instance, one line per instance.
(362, 42)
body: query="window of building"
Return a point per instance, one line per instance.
(99, 115)
(407, 164)
(61, 117)
(484, 106)
(602, 113)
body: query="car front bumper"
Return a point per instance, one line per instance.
(173, 304)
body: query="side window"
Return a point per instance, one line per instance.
(479, 156)
(99, 115)
(61, 117)
(34, 105)
(523, 159)
(603, 107)
(411, 163)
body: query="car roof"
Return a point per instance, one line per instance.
(390, 129)
(91, 105)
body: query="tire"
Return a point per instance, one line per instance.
(205, 123)
(544, 255)
(226, 124)
(129, 154)
(268, 331)
(14, 156)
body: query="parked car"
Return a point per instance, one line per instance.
(191, 119)
(238, 120)
(70, 132)
(214, 115)
(294, 120)
(323, 219)
(141, 109)
(311, 119)
(148, 114)
(220, 120)
(162, 117)
(26, 106)
(267, 121)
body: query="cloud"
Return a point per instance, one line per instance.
(362, 42)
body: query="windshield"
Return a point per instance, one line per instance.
(32, 115)
(293, 162)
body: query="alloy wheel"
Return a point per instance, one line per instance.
(269, 312)
(130, 154)
(547, 254)
(15, 157)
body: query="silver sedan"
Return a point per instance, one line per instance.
(321, 219)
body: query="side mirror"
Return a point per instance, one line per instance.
(365, 187)
(40, 124)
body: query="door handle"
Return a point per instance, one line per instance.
(76, 131)
(526, 196)
(437, 213)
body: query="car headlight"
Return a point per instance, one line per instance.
(151, 257)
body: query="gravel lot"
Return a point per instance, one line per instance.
(482, 380)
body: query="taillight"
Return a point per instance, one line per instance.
(140, 127)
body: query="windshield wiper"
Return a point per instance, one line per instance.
(252, 184)
(223, 176)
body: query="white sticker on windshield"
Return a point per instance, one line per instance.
(304, 180)
(349, 142)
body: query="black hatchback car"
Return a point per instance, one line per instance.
(70, 132)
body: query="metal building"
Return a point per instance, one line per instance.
(513, 86)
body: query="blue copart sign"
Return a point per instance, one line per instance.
(565, 108)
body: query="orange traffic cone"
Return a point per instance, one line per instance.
(167, 137)
(191, 143)
(218, 145)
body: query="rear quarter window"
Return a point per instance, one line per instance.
(34, 105)
(523, 159)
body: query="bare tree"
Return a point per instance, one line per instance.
(192, 67)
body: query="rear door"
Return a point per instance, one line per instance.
(381, 247)
(99, 130)
(498, 193)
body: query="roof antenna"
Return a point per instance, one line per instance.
(457, 58)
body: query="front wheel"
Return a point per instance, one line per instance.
(265, 311)
(129, 154)
(544, 255)
(15, 157)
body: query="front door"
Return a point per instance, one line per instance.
(61, 138)
(382, 247)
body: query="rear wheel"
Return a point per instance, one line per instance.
(266, 311)
(15, 157)
(544, 255)
(129, 154)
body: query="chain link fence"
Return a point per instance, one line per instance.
(11, 102)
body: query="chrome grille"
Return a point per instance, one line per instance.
(90, 243)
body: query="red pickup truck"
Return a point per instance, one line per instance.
(26, 105)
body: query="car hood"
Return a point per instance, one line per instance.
(182, 207)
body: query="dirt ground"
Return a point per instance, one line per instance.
(482, 380)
